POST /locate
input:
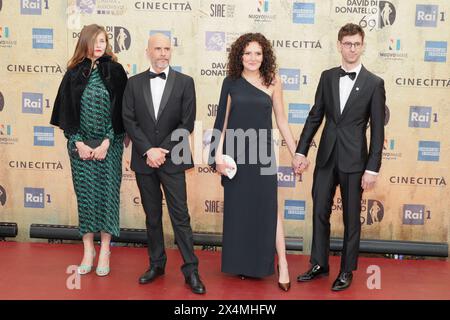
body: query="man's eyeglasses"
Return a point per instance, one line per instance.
(348, 45)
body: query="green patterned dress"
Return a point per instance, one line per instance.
(97, 183)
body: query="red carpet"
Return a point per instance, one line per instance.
(38, 271)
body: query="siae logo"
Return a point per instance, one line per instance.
(213, 206)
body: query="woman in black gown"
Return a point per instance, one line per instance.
(252, 226)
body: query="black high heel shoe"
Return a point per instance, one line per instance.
(283, 286)
(242, 277)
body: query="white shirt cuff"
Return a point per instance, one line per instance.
(372, 172)
(300, 154)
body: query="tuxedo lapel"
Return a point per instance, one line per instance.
(335, 92)
(356, 90)
(147, 89)
(167, 91)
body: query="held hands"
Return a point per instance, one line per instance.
(100, 152)
(299, 164)
(156, 157)
(85, 152)
(368, 181)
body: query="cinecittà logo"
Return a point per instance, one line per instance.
(418, 181)
(422, 82)
(29, 68)
(163, 6)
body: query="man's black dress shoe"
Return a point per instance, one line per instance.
(343, 281)
(151, 274)
(312, 273)
(197, 286)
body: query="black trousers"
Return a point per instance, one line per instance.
(326, 179)
(174, 186)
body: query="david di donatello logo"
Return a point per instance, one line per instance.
(2, 190)
(2, 101)
(42, 38)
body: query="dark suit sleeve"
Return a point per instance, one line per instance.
(131, 123)
(377, 114)
(187, 120)
(313, 120)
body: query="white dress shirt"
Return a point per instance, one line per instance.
(157, 85)
(345, 88)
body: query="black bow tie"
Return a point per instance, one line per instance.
(153, 75)
(351, 75)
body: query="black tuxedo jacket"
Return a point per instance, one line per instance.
(347, 131)
(176, 111)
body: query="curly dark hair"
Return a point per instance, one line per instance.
(268, 65)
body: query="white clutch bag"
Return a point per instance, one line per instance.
(231, 172)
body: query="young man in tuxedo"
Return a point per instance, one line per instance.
(158, 103)
(348, 97)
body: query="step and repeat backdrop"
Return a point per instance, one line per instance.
(406, 45)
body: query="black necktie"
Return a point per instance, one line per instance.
(153, 75)
(343, 73)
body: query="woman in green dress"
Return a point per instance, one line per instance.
(88, 109)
